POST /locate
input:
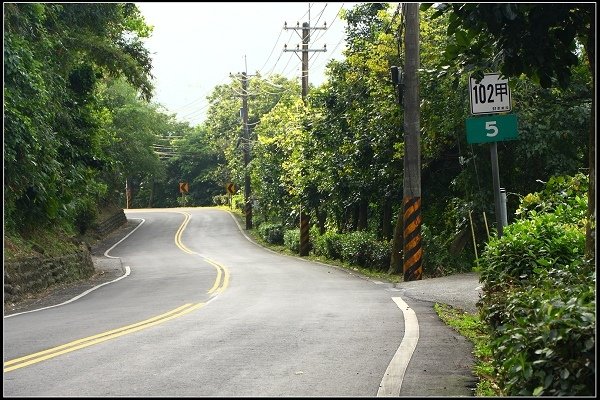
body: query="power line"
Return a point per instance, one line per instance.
(272, 50)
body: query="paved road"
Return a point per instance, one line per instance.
(206, 312)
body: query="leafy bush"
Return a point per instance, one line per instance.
(238, 202)
(527, 248)
(548, 348)
(563, 196)
(438, 259)
(291, 239)
(358, 248)
(221, 200)
(539, 296)
(329, 245)
(272, 233)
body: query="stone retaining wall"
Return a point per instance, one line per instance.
(107, 226)
(35, 274)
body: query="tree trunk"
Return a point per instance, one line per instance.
(386, 219)
(151, 194)
(321, 217)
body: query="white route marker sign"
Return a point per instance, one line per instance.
(490, 96)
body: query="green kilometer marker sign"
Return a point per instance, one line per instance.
(492, 128)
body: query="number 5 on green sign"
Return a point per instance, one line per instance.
(492, 128)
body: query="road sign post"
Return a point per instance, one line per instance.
(496, 183)
(184, 188)
(492, 96)
(230, 187)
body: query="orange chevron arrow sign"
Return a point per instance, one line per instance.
(184, 187)
(230, 188)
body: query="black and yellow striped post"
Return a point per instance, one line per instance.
(304, 234)
(413, 250)
(411, 199)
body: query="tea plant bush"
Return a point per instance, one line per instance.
(539, 295)
(358, 248)
(272, 233)
(291, 240)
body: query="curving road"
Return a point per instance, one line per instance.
(206, 312)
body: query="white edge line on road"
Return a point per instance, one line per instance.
(127, 272)
(126, 236)
(394, 374)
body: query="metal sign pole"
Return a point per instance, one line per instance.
(496, 183)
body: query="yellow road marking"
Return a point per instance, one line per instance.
(222, 279)
(99, 338)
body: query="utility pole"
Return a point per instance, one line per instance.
(305, 50)
(304, 217)
(413, 251)
(245, 140)
(246, 148)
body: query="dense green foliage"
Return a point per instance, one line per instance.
(338, 155)
(546, 43)
(539, 295)
(356, 248)
(272, 233)
(78, 126)
(55, 58)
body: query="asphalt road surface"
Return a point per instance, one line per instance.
(201, 310)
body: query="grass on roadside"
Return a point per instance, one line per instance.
(48, 242)
(471, 327)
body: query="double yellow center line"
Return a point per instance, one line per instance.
(222, 279)
(220, 284)
(102, 337)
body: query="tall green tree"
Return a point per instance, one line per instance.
(224, 123)
(131, 129)
(54, 57)
(195, 161)
(541, 41)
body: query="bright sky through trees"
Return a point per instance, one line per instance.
(195, 46)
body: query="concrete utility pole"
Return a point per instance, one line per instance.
(304, 217)
(413, 251)
(245, 140)
(305, 50)
(246, 148)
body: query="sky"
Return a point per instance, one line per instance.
(196, 46)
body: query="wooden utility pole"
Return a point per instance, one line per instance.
(304, 217)
(246, 148)
(413, 251)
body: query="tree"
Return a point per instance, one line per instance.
(224, 124)
(131, 130)
(541, 41)
(54, 57)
